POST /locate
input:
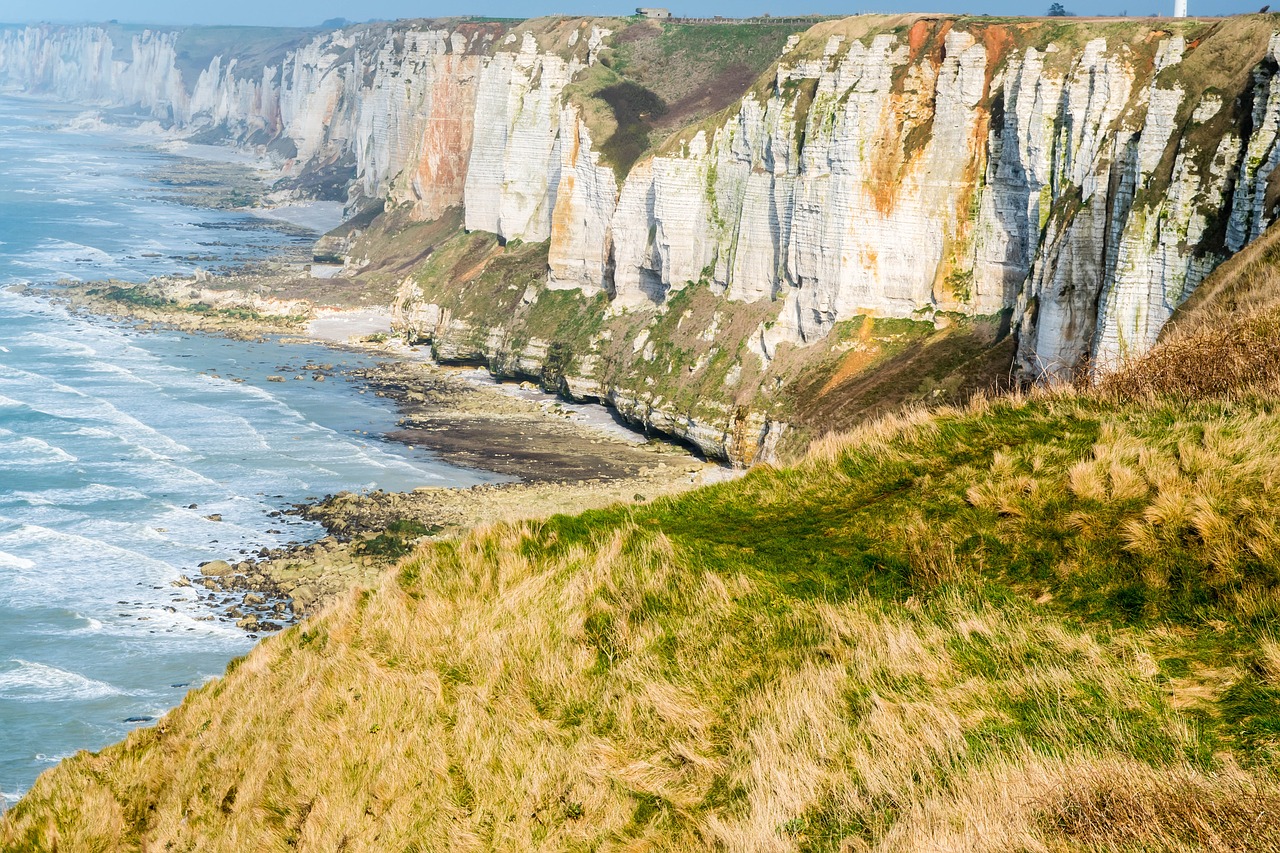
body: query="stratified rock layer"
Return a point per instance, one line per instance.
(1080, 179)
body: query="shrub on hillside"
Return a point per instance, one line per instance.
(396, 541)
(1207, 363)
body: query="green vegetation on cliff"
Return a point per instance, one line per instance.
(692, 356)
(655, 78)
(1040, 622)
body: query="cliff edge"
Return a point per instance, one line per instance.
(727, 230)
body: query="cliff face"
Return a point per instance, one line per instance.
(940, 169)
(1072, 180)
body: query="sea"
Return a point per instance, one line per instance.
(120, 448)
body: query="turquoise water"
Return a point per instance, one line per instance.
(109, 436)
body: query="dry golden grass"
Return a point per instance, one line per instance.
(507, 693)
(1246, 283)
(1210, 361)
(1225, 340)
(879, 434)
(1128, 807)
(1040, 803)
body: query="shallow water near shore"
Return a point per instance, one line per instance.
(126, 458)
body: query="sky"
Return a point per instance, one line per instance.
(313, 12)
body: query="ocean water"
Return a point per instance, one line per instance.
(115, 446)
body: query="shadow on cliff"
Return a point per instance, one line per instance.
(945, 368)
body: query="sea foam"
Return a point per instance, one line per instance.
(41, 682)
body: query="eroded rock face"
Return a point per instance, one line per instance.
(1084, 186)
(582, 214)
(974, 180)
(514, 170)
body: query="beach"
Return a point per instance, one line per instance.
(557, 456)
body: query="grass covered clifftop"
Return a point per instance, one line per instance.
(1041, 623)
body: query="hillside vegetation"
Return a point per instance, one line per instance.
(656, 78)
(1036, 623)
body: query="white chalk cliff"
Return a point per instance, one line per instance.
(1083, 187)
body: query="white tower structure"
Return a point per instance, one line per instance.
(1179, 8)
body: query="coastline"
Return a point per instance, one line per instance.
(559, 461)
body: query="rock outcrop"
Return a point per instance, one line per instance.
(1077, 179)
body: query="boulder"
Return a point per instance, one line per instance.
(216, 568)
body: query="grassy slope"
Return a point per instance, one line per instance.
(657, 78)
(1226, 335)
(1032, 624)
(1247, 283)
(1041, 623)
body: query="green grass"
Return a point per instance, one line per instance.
(395, 541)
(1067, 596)
(1006, 492)
(655, 78)
(721, 45)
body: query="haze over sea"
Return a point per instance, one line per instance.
(109, 436)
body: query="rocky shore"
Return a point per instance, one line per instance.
(558, 462)
(277, 587)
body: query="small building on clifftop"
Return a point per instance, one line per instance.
(654, 14)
